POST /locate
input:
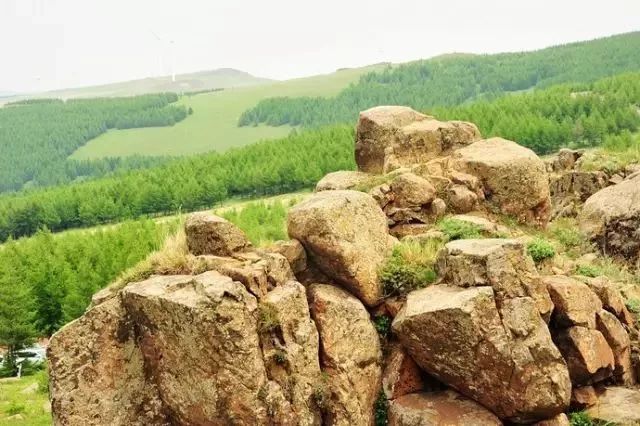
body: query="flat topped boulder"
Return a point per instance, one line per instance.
(390, 137)
(344, 179)
(439, 408)
(611, 217)
(345, 234)
(575, 303)
(213, 235)
(513, 177)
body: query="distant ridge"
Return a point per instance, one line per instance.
(222, 78)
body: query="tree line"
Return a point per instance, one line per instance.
(37, 136)
(48, 280)
(271, 167)
(452, 80)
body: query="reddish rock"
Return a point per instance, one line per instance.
(587, 353)
(583, 397)
(575, 303)
(401, 374)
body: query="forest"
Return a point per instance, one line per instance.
(576, 115)
(271, 167)
(456, 79)
(37, 136)
(48, 280)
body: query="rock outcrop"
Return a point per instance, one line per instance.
(389, 137)
(341, 180)
(346, 235)
(213, 235)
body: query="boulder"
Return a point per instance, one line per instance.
(583, 397)
(587, 353)
(460, 199)
(350, 355)
(502, 264)
(401, 375)
(97, 373)
(439, 408)
(294, 252)
(611, 298)
(183, 326)
(290, 347)
(574, 302)
(514, 178)
(611, 218)
(620, 344)
(389, 137)
(486, 226)
(617, 405)
(210, 234)
(346, 235)
(559, 420)
(503, 358)
(410, 190)
(342, 180)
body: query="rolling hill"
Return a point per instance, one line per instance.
(213, 125)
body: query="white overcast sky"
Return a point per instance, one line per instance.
(51, 44)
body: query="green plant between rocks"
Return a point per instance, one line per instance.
(409, 268)
(456, 229)
(381, 409)
(540, 249)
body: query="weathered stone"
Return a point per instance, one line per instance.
(389, 137)
(611, 217)
(404, 230)
(350, 355)
(611, 298)
(576, 185)
(439, 408)
(587, 353)
(401, 374)
(98, 374)
(503, 358)
(514, 178)
(290, 349)
(342, 180)
(346, 235)
(575, 303)
(617, 405)
(410, 190)
(438, 207)
(583, 397)
(559, 420)
(618, 339)
(210, 234)
(500, 263)
(460, 199)
(294, 252)
(487, 227)
(174, 315)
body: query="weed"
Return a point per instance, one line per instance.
(589, 271)
(540, 249)
(383, 325)
(280, 357)
(633, 305)
(456, 229)
(407, 270)
(381, 408)
(15, 408)
(267, 317)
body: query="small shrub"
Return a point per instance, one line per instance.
(589, 270)
(42, 378)
(456, 229)
(267, 317)
(399, 276)
(15, 408)
(633, 305)
(280, 357)
(540, 249)
(567, 233)
(383, 325)
(381, 409)
(580, 419)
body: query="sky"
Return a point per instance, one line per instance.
(54, 44)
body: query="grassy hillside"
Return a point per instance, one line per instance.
(213, 125)
(453, 80)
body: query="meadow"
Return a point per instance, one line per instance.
(214, 122)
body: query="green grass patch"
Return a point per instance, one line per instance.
(23, 397)
(410, 267)
(540, 249)
(456, 229)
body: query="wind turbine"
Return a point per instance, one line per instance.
(172, 52)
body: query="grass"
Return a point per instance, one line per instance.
(213, 125)
(410, 267)
(24, 397)
(615, 154)
(540, 249)
(456, 229)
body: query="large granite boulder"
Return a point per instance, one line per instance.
(389, 137)
(97, 373)
(439, 408)
(514, 178)
(350, 355)
(499, 355)
(344, 179)
(611, 217)
(208, 234)
(345, 233)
